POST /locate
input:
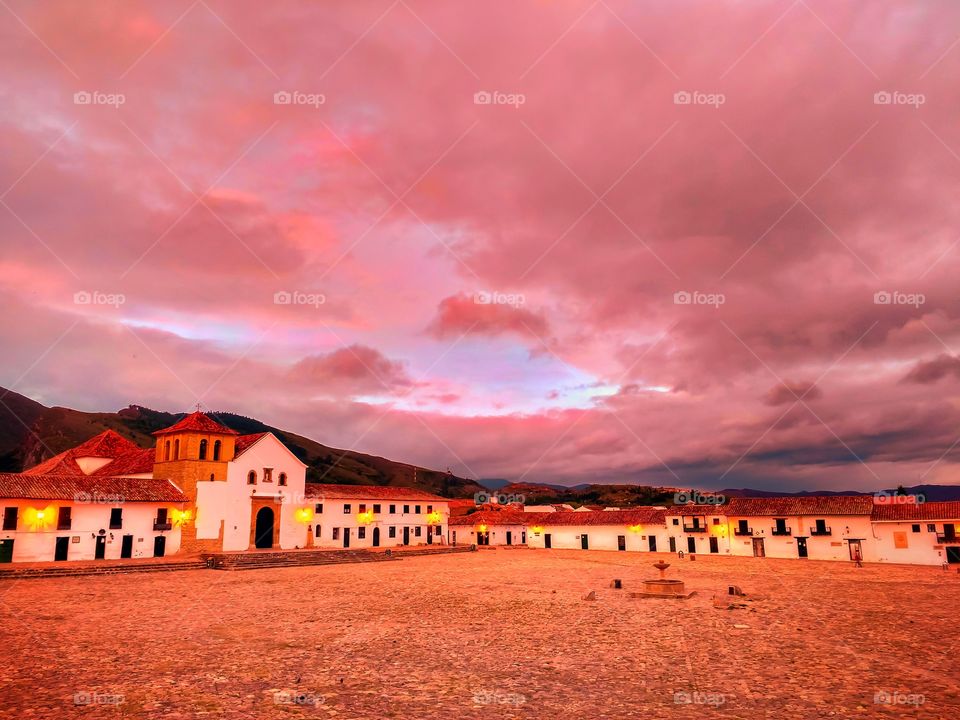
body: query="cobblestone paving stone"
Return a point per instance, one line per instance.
(491, 634)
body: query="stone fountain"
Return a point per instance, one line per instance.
(663, 587)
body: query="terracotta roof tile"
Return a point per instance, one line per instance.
(949, 510)
(245, 441)
(702, 510)
(108, 444)
(501, 517)
(198, 422)
(593, 518)
(633, 516)
(136, 462)
(71, 487)
(372, 492)
(802, 505)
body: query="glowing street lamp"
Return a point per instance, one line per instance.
(304, 515)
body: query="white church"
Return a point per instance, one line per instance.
(202, 488)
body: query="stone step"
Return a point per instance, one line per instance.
(293, 558)
(120, 569)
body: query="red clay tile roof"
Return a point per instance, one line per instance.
(593, 518)
(72, 487)
(128, 458)
(501, 517)
(245, 441)
(704, 510)
(949, 510)
(135, 462)
(803, 505)
(198, 422)
(634, 516)
(371, 492)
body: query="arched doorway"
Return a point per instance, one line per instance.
(263, 535)
(376, 537)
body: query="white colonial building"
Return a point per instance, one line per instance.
(819, 527)
(202, 488)
(369, 516)
(916, 533)
(495, 527)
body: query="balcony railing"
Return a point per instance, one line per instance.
(952, 539)
(743, 531)
(781, 531)
(161, 526)
(63, 524)
(695, 528)
(821, 531)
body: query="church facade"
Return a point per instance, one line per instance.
(202, 488)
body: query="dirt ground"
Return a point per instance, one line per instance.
(498, 633)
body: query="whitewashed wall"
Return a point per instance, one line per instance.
(922, 548)
(37, 543)
(230, 501)
(829, 547)
(333, 516)
(599, 537)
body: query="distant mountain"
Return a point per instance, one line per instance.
(606, 495)
(931, 493)
(30, 433)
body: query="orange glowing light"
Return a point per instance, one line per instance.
(37, 519)
(304, 515)
(433, 518)
(365, 518)
(181, 517)
(635, 528)
(482, 528)
(537, 529)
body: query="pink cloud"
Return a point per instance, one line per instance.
(797, 200)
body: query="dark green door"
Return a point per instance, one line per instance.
(584, 544)
(159, 546)
(126, 547)
(101, 551)
(62, 547)
(6, 551)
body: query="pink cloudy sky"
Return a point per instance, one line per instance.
(784, 190)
